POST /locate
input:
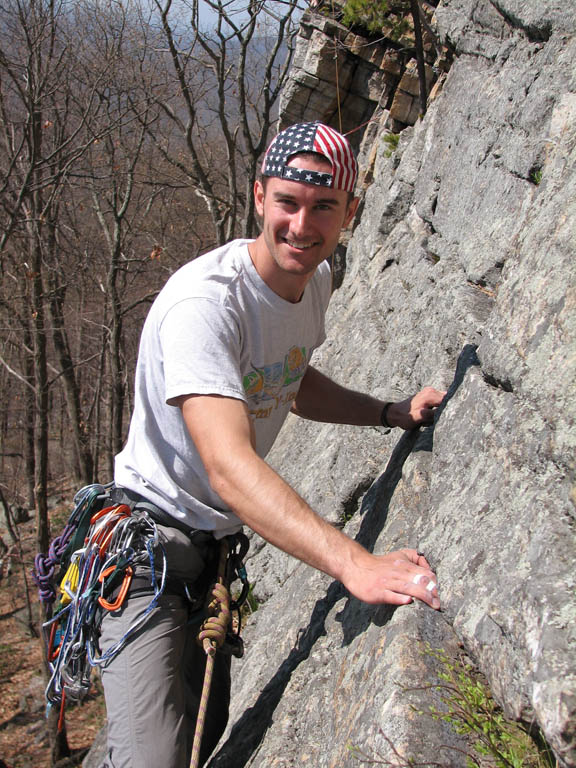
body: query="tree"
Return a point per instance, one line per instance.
(53, 108)
(221, 98)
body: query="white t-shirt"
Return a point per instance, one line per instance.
(215, 328)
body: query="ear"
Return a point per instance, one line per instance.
(259, 197)
(351, 210)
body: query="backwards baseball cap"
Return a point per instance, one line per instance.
(312, 137)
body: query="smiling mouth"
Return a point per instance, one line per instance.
(299, 246)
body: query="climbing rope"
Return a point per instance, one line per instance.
(337, 80)
(211, 636)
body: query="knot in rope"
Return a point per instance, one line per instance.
(45, 565)
(213, 630)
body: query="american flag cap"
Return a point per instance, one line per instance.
(312, 137)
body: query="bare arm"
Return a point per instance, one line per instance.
(222, 432)
(322, 399)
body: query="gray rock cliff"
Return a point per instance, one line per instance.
(460, 274)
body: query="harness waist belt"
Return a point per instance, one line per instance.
(135, 500)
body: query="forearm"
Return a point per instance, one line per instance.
(265, 503)
(268, 505)
(322, 399)
(223, 434)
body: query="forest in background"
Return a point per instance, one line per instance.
(130, 137)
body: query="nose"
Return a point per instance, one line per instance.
(300, 222)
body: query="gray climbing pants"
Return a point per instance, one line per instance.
(153, 685)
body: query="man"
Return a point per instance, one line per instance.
(224, 357)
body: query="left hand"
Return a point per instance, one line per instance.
(416, 410)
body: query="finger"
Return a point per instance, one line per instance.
(424, 588)
(391, 597)
(415, 580)
(429, 583)
(418, 558)
(433, 397)
(407, 592)
(422, 561)
(428, 398)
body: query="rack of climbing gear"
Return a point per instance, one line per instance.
(87, 572)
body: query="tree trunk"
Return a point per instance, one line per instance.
(29, 460)
(117, 389)
(83, 464)
(414, 6)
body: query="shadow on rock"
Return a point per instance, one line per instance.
(356, 617)
(250, 729)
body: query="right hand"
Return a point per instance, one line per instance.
(395, 578)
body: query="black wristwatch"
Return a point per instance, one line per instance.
(384, 416)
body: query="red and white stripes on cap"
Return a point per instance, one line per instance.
(318, 138)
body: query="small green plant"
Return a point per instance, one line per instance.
(250, 606)
(391, 140)
(535, 176)
(378, 16)
(252, 600)
(468, 707)
(471, 711)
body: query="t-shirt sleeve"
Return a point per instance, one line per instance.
(200, 342)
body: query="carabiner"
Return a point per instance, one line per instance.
(122, 509)
(123, 589)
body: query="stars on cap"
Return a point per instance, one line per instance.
(312, 137)
(309, 177)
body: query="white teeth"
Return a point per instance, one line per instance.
(301, 246)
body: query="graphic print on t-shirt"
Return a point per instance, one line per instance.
(268, 382)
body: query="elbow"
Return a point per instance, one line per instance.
(219, 480)
(233, 480)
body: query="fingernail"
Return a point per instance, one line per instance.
(436, 603)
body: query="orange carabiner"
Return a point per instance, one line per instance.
(53, 652)
(103, 536)
(123, 589)
(122, 509)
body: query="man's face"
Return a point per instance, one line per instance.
(301, 222)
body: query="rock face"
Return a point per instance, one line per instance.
(460, 274)
(344, 79)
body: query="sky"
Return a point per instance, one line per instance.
(235, 8)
